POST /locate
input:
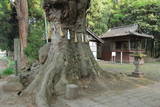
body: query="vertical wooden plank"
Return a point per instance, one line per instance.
(46, 27)
(17, 54)
(15, 49)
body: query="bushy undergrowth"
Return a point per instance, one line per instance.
(8, 71)
(10, 67)
(35, 40)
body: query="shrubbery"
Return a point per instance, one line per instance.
(10, 67)
(8, 71)
(35, 41)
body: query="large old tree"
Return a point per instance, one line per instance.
(69, 59)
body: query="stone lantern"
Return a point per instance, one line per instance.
(138, 61)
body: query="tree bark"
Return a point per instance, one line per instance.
(22, 16)
(70, 58)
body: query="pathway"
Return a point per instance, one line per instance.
(3, 65)
(148, 96)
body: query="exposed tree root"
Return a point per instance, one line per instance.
(66, 61)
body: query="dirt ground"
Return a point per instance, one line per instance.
(8, 99)
(111, 86)
(11, 99)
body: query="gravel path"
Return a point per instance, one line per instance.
(148, 96)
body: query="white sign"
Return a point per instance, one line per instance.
(113, 53)
(2, 53)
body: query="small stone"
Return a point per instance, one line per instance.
(72, 91)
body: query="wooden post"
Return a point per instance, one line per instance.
(16, 67)
(114, 57)
(129, 44)
(17, 54)
(46, 27)
(121, 57)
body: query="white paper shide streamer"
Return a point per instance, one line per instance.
(82, 37)
(68, 35)
(76, 39)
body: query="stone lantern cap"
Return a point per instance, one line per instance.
(138, 55)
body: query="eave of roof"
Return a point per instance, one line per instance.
(112, 36)
(128, 30)
(94, 36)
(130, 34)
(142, 35)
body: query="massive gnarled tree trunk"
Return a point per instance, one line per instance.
(69, 58)
(22, 16)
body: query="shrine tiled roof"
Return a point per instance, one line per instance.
(124, 31)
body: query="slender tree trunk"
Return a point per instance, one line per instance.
(22, 16)
(70, 58)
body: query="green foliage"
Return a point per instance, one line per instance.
(8, 25)
(144, 13)
(36, 29)
(35, 9)
(100, 14)
(96, 19)
(10, 67)
(8, 71)
(11, 63)
(35, 40)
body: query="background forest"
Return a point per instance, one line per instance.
(103, 15)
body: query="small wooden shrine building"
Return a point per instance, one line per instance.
(94, 41)
(120, 43)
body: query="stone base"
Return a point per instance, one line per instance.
(137, 74)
